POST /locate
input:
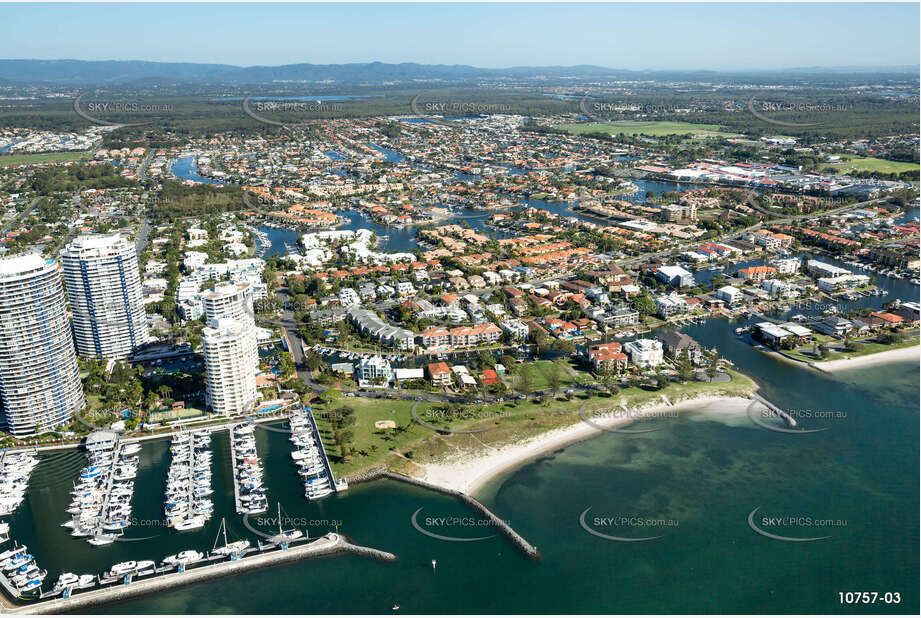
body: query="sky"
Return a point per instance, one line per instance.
(621, 36)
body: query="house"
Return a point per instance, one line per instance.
(731, 295)
(439, 374)
(675, 344)
(771, 334)
(834, 326)
(786, 266)
(405, 288)
(645, 353)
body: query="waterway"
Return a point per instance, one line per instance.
(704, 471)
(186, 168)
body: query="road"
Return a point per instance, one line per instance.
(15, 220)
(142, 171)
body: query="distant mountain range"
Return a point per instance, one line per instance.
(119, 72)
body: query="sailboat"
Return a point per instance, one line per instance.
(285, 536)
(228, 549)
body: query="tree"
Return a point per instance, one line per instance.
(524, 381)
(644, 305)
(713, 358)
(553, 378)
(684, 365)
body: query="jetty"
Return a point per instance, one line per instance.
(789, 420)
(517, 540)
(124, 589)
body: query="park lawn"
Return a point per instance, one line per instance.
(873, 348)
(43, 157)
(873, 164)
(655, 128)
(502, 423)
(539, 373)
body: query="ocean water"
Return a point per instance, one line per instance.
(692, 482)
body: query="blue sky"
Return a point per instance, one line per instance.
(626, 36)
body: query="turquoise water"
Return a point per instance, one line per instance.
(704, 471)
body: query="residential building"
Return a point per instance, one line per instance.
(645, 353)
(439, 374)
(758, 273)
(670, 305)
(374, 369)
(464, 336)
(731, 295)
(674, 276)
(675, 344)
(235, 301)
(607, 357)
(786, 266)
(516, 329)
(231, 378)
(40, 385)
(103, 284)
(348, 297)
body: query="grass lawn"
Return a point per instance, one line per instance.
(865, 349)
(656, 128)
(872, 164)
(43, 158)
(539, 373)
(502, 423)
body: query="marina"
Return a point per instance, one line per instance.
(249, 493)
(15, 470)
(310, 456)
(188, 486)
(100, 508)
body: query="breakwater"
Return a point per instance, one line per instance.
(331, 544)
(519, 541)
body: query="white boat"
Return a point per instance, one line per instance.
(86, 581)
(102, 539)
(190, 523)
(131, 449)
(122, 568)
(183, 557)
(67, 580)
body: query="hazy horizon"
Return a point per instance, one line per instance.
(636, 37)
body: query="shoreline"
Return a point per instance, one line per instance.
(897, 355)
(468, 475)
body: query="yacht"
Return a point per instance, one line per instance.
(122, 568)
(184, 557)
(67, 580)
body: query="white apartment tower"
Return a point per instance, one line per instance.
(39, 379)
(104, 287)
(235, 301)
(231, 379)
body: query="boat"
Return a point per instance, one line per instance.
(190, 523)
(184, 557)
(122, 568)
(228, 549)
(86, 581)
(102, 539)
(67, 580)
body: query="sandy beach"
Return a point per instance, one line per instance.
(469, 472)
(889, 356)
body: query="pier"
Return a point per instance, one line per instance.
(789, 420)
(517, 540)
(330, 544)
